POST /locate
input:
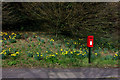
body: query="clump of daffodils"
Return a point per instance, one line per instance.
(52, 40)
(3, 54)
(15, 55)
(38, 56)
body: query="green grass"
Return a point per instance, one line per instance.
(40, 50)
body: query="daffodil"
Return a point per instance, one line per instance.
(67, 43)
(5, 33)
(62, 52)
(66, 51)
(1, 40)
(34, 33)
(13, 38)
(81, 51)
(12, 33)
(71, 52)
(75, 43)
(53, 55)
(116, 54)
(5, 53)
(83, 54)
(9, 49)
(4, 50)
(51, 40)
(74, 51)
(17, 52)
(37, 52)
(95, 53)
(10, 37)
(13, 54)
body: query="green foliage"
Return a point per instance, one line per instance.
(38, 38)
(52, 60)
(8, 52)
(26, 36)
(51, 42)
(37, 56)
(33, 36)
(30, 54)
(59, 45)
(10, 63)
(58, 54)
(30, 38)
(42, 41)
(5, 42)
(12, 40)
(18, 36)
(33, 44)
(108, 57)
(2, 56)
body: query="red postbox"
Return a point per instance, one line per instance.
(90, 41)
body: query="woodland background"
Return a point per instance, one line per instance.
(63, 18)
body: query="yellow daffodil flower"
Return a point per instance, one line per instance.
(5, 53)
(95, 53)
(37, 53)
(116, 54)
(71, 52)
(9, 49)
(13, 54)
(12, 33)
(17, 52)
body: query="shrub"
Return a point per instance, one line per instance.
(30, 54)
(2, 56)
(12, 40)
(18, 36)
(26, 35)
(37, 56)
(108, 57)
(38, 38)
(12, 63)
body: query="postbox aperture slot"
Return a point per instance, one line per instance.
(91, 38)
